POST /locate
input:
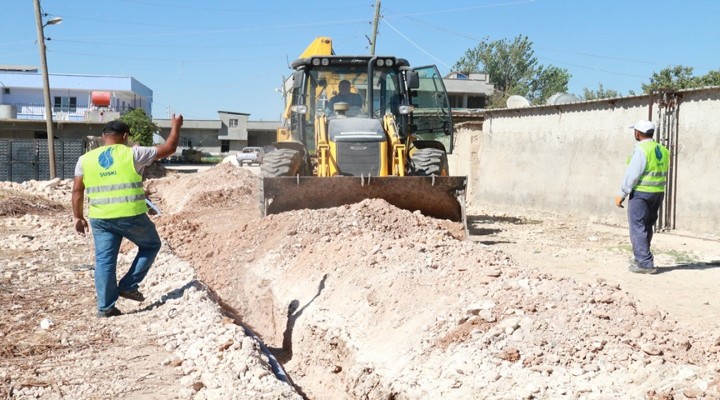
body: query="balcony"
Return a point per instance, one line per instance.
(29, 111)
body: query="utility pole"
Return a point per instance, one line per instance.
(375, 28)
(46, 89)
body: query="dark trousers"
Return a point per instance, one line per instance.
(642, 214)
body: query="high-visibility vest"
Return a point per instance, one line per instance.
(654, 178)
(112, 185)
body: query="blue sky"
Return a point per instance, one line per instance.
(199, 57)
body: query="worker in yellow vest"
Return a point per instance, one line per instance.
(111, 177)
(644, 182)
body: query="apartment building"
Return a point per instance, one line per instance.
(73, 97)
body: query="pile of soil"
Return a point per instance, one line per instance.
(378, 302)
(359, 301)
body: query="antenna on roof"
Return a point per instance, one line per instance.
(565, 98)
(516, 101)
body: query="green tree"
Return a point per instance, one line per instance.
(548, 81)
(513, 69)
(141, 126)
(680, 77)
(712, 78)
(600, 93)
(671, 78)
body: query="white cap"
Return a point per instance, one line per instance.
(643, 126)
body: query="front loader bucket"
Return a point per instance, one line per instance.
(435, 196)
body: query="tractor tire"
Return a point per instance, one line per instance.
(282, 162)
(428, 162)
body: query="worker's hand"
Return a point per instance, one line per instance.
(619, 201)
(177, 121)
(81, 226)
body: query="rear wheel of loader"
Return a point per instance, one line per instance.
(429, 161)
(282, 162)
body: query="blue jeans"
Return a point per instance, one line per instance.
(108, 234)
(642, 214)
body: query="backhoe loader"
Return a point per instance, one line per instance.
(391, 144)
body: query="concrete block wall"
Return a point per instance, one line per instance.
(572, 157)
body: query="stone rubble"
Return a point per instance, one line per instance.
(359, 301)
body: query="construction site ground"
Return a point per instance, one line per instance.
(363, 301)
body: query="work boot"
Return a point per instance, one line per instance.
(110, 312)
(134, 295)
(640, 270)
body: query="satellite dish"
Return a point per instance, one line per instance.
(551, 100)
(565, 98)
(516, 101)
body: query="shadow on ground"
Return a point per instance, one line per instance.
(489, 225)
(171, 295)
(285, 353)
(693, 266)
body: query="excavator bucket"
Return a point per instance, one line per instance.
(440, 197)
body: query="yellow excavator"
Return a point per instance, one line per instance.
(386, 135)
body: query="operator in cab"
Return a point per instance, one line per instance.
(344, 96)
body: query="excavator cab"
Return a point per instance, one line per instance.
(364, 127)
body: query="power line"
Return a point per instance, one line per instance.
(185, 46)
(233, 30)
(16, 43)
(243, 10)
(415, 44)
(475, 39)
(452, 10)
(18, 54)
(593, 68)
(163, 59)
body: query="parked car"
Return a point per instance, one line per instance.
(251, 155)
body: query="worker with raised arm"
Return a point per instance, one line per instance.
(644, 183)
(111, 177)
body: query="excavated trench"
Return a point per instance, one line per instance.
(370, 301)
(277, 356)
(360, 301)
(273, 272)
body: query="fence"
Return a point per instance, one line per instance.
(24, 159)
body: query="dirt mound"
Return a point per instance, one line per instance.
(377, 302)
(177, 344)
(14, 202)
(358, 301)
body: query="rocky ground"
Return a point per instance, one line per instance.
(361, 301)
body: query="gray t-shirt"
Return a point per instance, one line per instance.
(142, 157)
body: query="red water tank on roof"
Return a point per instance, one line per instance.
(100, 99)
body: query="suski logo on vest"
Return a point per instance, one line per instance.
(108, 173)
(105, 159)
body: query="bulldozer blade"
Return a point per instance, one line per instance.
(440, 197)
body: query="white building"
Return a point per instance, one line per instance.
(74, 97)
(468, 91)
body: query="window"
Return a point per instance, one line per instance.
(6, 90)
(65, 104)
(233, 123)
(224, 146)
(476, 102)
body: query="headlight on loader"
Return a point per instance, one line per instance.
(406, 109)
(299, 109)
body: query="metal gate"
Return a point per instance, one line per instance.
(668, 112)
(28, 159)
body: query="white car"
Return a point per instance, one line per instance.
(251, 155)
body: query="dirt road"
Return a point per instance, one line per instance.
(686, 286)
(360, 301)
